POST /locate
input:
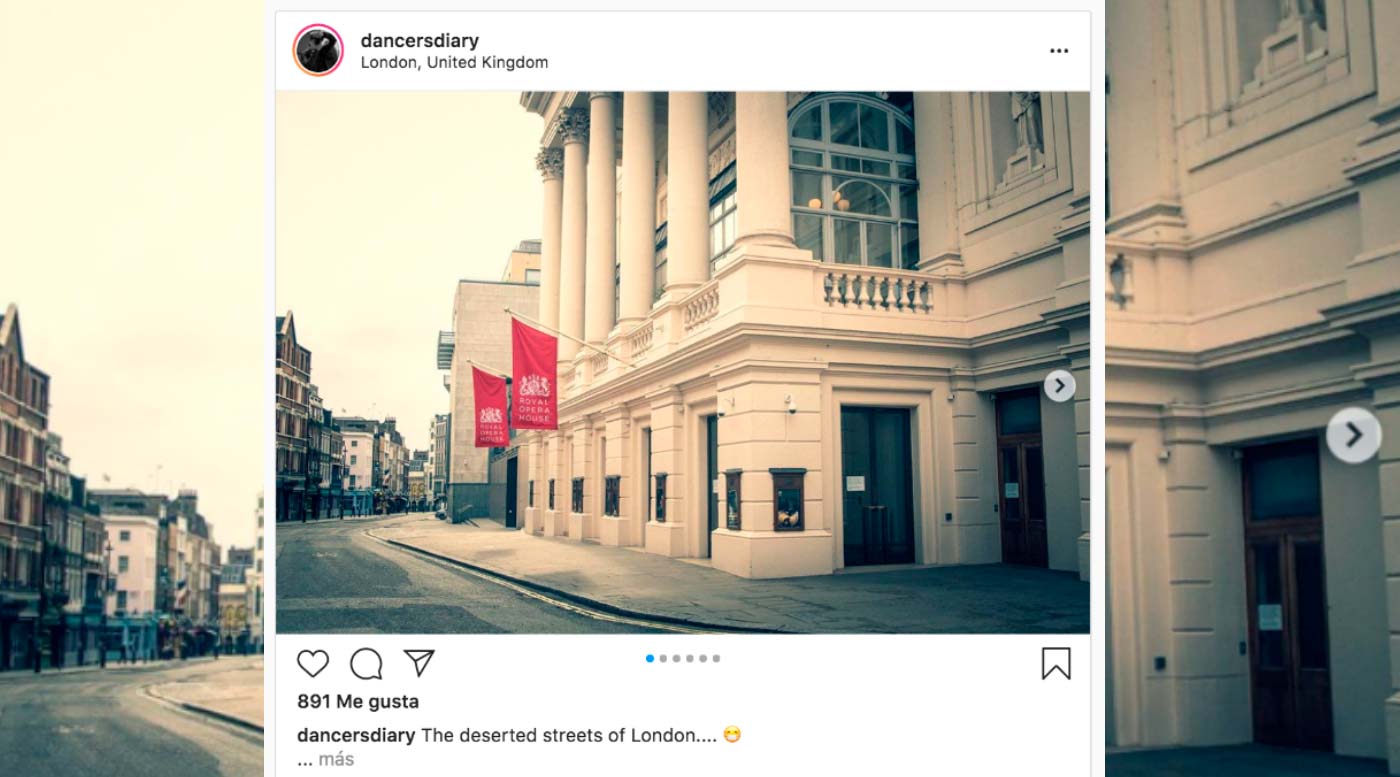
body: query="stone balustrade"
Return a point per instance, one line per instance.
(639, 340)
(876, 289)
(700, 307)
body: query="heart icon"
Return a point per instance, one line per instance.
(313, 661)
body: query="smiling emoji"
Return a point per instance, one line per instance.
(731, 734)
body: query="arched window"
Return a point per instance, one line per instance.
(854, 191)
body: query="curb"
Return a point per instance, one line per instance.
(112, 666)
(586, 601)
(234, 720)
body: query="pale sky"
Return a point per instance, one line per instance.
(385, 201)
(131, 227)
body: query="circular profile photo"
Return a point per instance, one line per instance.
(318, 50)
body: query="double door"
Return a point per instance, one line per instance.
(1287, 596)
(1021, 480)
(877, 486)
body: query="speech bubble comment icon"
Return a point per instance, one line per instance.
(367, 665)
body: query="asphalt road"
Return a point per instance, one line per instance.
(104, 722)
(332, 579)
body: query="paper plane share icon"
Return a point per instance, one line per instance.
(420, 659)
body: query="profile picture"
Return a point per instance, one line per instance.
(318, 49)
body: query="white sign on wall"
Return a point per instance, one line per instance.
(1011, 490)
(855, 482)
(1271, 617)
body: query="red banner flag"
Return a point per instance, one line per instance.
(490, 395)
(534, 356)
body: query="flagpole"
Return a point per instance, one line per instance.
(492, 370)
(583, 343)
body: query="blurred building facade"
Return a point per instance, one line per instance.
(1253, 258)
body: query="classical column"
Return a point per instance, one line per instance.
(550, 161)
(761, 168)
(687, 192)
(602, 217)
(934, 163)
(573, 127)
(637, 240)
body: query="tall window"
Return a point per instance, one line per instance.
(854, 193)
(659, 269)
(723, 216)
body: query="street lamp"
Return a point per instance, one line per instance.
(1117, 278)
(106, 583)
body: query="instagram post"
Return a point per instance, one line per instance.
(1250, 424)
(672, 414)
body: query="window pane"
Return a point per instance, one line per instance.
(810, 158)
(879, 244)
(872, 167)
(843, 123)
(842, 162)
(1010, 473)
(874, 128)
(906, 171)
(860, 196)
(809, 124)
(1018, 413)
(1312, 605)
(1268, 604)
(1283, 481)
(847, 241)
(659, 278)
(904, 138)
(909, 246)
(908, 202)
(807, 189)
(1035, 484)
(807, 231)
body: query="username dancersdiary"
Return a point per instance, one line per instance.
(464, 58)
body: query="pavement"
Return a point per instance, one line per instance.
(332, 578)
(234, 696)
(989, 599)
(1238, 761)
(109, 722)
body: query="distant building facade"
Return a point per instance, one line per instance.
(293, 422)
(481, 334)
(24, 409)
(137, 531)
(523, 264)
(438, 457)
(376, 463)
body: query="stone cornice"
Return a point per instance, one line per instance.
(1266, 346)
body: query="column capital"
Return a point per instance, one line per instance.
(599, 95)
(572, 125)
(550, 163)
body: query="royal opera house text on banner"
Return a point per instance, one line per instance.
(533, 362)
